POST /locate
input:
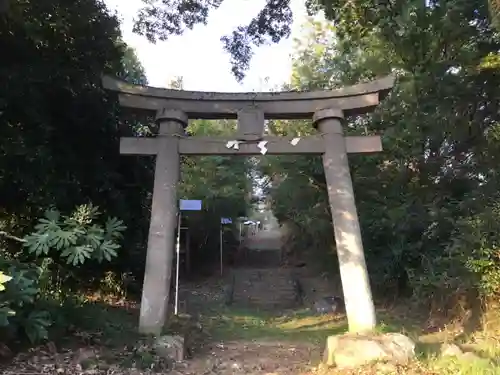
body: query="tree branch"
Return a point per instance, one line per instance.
(11, 237)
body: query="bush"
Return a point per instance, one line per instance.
(72, 239)
(76, 237)
(5, 311)
(19, 312)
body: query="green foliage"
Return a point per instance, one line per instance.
(495, 12)
(221, 182)
(76, 237)
(64, 152)
(160, 19)
(477, 241)
(60, 130)
(427, 203)
(18, 305)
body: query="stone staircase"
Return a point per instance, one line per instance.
(259, 280)
(264, 288)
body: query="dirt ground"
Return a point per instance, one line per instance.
(224, 358)
(226, 341)
(253, 357)
(251, 341)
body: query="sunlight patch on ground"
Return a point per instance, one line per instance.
(230, 324)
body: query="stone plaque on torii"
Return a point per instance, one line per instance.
(326, 109)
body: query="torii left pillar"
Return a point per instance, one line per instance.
(160, 253)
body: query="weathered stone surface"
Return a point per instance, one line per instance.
(161, 237)
(171, 347)
(359, 306)
(354, 100)
(353, 350)
(451, 350)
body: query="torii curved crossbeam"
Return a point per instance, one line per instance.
(353, 100)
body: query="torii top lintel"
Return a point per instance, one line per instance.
(353, 100)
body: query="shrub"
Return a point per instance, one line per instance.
(73, 239)
(76, 237)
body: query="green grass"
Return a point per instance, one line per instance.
(302, 325)
(249, 324)
(231, 323)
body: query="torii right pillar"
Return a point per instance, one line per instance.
(358, 298)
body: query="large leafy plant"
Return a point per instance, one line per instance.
(5, 311)
(17, 304)
(76, 237)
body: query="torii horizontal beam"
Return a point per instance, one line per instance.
(311, 145)
(352, 100)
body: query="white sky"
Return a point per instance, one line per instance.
(198, 56)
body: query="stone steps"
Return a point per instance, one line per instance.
(251, 258)
(264, 288)
(258, 280)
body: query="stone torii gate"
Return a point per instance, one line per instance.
(327, 110)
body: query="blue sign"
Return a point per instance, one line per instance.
(190, 205)
(226, 220)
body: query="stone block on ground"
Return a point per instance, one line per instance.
(453, 350)
(170, 347)
(329, 305)
(354, 350)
